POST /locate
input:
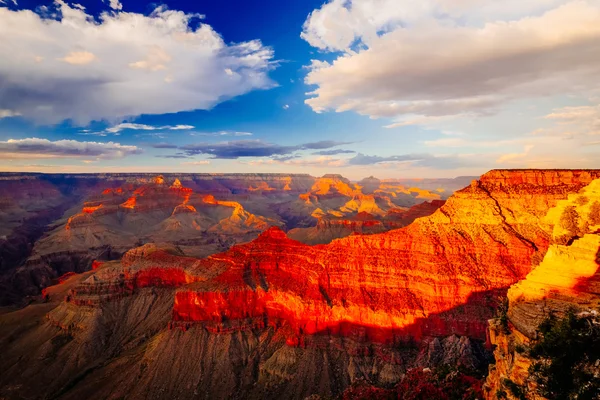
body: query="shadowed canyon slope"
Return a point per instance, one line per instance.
(54, 224)
(276, 318)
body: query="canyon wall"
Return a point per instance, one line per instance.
(276, 318)
(566, 280)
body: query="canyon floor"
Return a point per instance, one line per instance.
(289, 286)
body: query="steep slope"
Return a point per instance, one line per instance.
(474, 247)
(275, 318)
(567, 279)
(330, 227)
(147, 210)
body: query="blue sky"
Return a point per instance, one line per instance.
(356, 87)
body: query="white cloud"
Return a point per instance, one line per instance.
(8, 113)
(128, 125)
(578, 120)
(119, 65)
(324, 161)
(201, 162)
(512, 157)
(221, 133)
(76, 58)
(44, 148)
(286, 106)
(116, 5)
(411, 60)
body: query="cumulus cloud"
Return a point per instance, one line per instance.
(437, 58)
(115, 5)
(64, 64)
(252, 148)
(44, 148)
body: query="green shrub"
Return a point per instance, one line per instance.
(514, 389)
(502, 314)
(564, 354)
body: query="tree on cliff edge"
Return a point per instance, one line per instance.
(569, 221)
(594, 216)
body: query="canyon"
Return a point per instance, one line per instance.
(230, 286)
(54, 224)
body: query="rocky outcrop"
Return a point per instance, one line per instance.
(330, 227)
(566, 279)
(436, 277)
(275, 318)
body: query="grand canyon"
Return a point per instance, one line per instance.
(300, 200)
(288, 286)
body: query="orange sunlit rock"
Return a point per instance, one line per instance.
(92, 209)
(438, 276)
(130, 203)
(262, 187)
(567, 278)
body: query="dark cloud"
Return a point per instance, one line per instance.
(44, 148)
(333, 152)
(420, 160)
(251, 148)
(323, 144)
(237, 149)
(174, 156)
(287, 158)
(164, 146)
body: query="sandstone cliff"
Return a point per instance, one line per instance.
(567, 279)
(275, 318)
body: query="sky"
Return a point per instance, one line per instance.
(385, 88)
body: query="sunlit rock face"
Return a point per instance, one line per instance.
(54, 224)
(330, 227)
(276, 318)
(438, 276)
(567, 278)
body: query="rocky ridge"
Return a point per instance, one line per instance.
(566, 279)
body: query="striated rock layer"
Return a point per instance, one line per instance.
(567, 279)
(54, 224)
(275, 318)
(438, 276)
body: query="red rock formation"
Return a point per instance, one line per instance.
(411, 280)
(280, 319)
(567, 278)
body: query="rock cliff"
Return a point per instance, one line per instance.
(566, 280)
(276, 318)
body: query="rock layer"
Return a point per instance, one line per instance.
(567, 279)
(275, 318)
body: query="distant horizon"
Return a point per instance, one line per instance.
(175, 174)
